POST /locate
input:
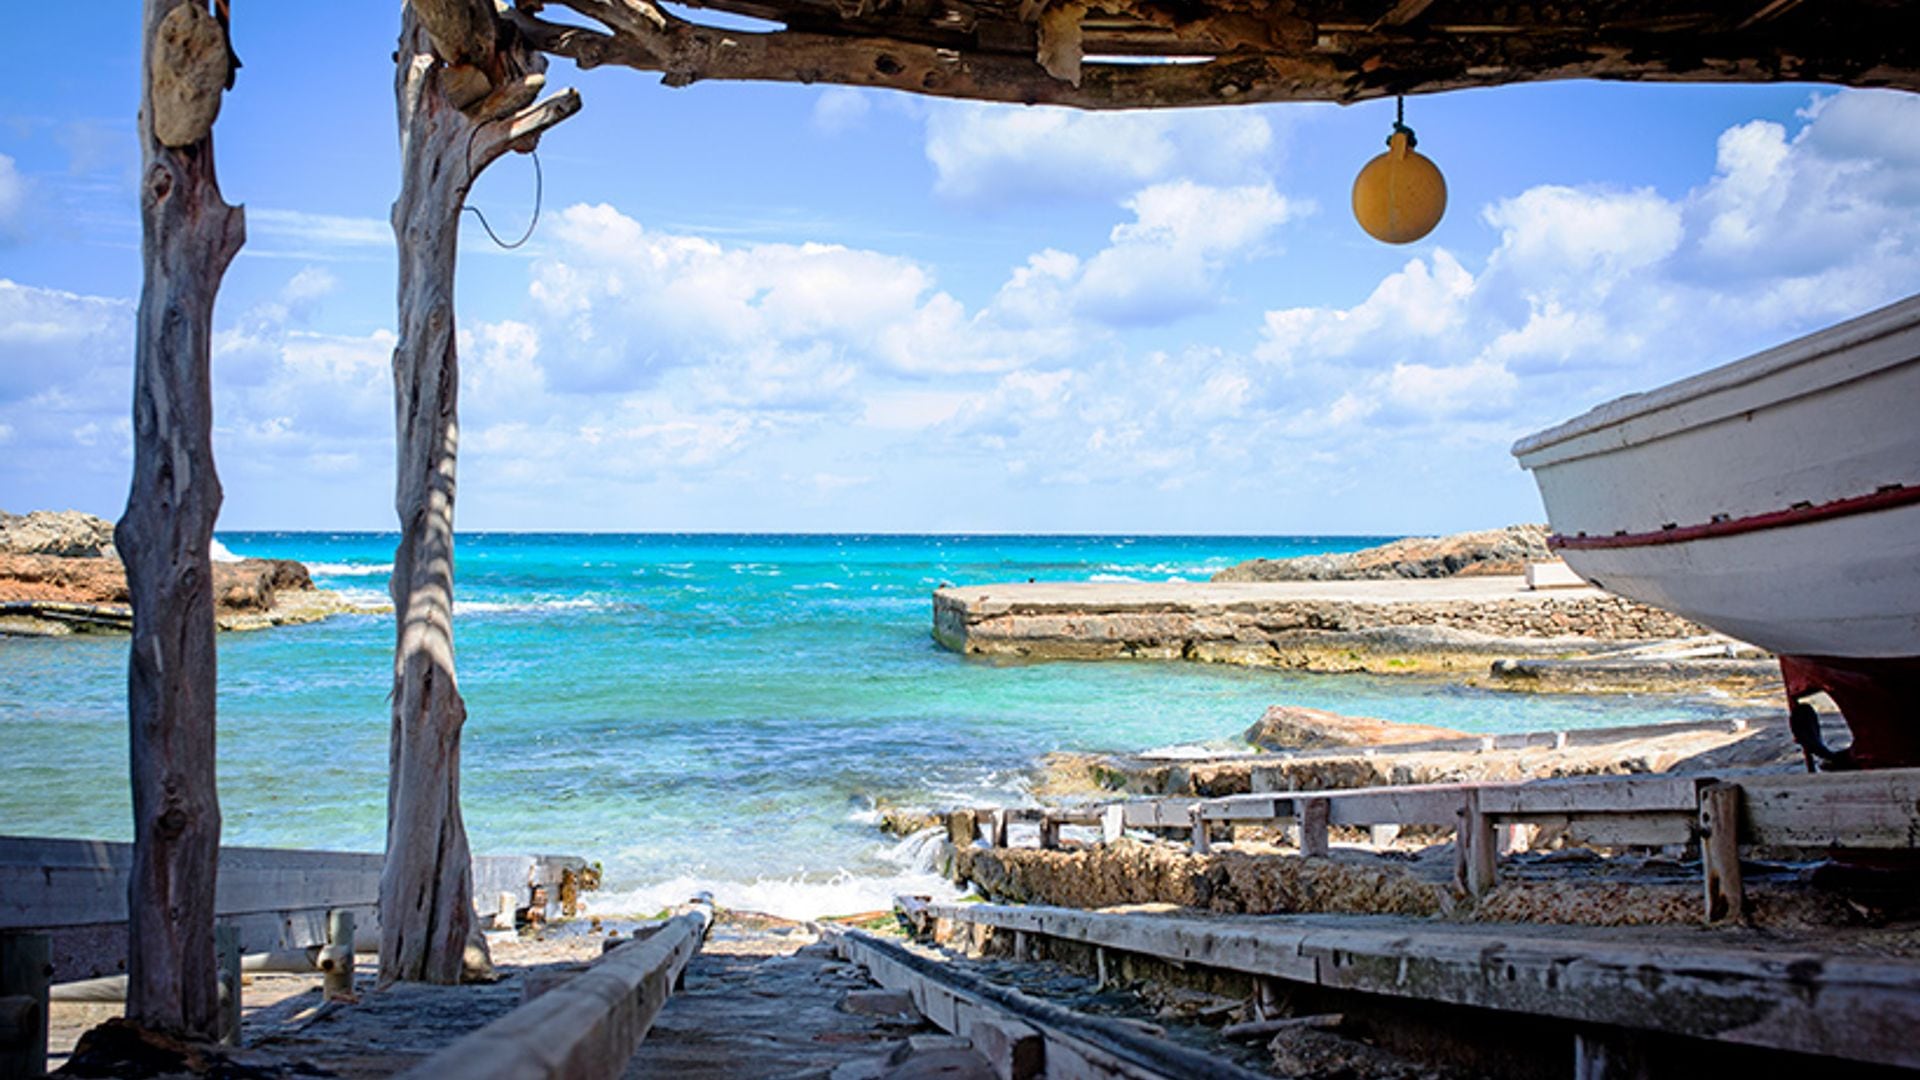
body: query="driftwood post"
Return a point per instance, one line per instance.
(190, 235)
(466, 95)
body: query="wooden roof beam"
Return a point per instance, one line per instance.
(1339, 68)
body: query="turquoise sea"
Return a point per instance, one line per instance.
(693, 710)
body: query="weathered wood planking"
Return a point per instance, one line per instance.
(76, 891)
(1877, 808)
(587, 1027)
(1775, 997)
(1655, 792)
(1076, 1046)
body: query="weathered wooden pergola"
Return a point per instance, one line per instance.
(469, 79)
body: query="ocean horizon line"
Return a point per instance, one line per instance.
(878, 534)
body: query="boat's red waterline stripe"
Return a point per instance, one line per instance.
(1885, 499)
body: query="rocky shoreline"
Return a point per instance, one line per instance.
(60, 575)
(1453, 607)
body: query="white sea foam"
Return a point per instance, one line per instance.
(802, 897)
(1206, 568)
(221, 553)
(479, 607)
(1112, 577)
(337, 569)
(365, 597)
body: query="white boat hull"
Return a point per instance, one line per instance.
(1776, 499)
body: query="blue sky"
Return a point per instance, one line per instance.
(769, 307)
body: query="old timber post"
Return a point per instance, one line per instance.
(190, 235)
(466, 91)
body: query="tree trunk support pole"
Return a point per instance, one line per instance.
(426, 906)
(189, 236)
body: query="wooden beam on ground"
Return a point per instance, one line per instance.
(1770, 996)
(588, 1027)
(1075, 1046)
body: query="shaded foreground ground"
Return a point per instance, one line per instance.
(761, 999)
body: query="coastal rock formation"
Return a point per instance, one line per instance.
(1758, 743)
(1297, 727)
(1490, 551)
(59, 572)
(63, 533)
(1449, 626)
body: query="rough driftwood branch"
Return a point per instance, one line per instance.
(190, 236)
(1031, 54)
(426, 912)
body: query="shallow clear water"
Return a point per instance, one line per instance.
(692, 710)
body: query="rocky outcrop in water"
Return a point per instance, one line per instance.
(63, 533)
(1297, 727)
(1491, 551)
(59, 572)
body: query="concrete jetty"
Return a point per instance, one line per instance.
(1407, 624)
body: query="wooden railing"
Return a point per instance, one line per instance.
(1867, 810)
(75, 892)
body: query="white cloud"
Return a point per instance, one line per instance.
(13, 198)
(309, 284)
(1166, 263)
(986, 152)
(839, 109)
(298, 234)
(1589, 292)
(52, 341)
(1483, 386)
(785, 325)
(1561, 238)
(1419, 303)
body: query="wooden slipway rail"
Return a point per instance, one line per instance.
(75, 892)
(588, 1027)
(1024, 1036)
(1779, 998)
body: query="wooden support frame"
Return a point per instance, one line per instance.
(1859, 1009)
(1867, 810)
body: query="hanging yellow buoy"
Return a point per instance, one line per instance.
(1400, 195)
